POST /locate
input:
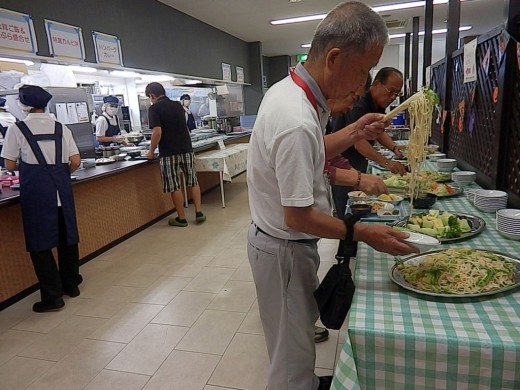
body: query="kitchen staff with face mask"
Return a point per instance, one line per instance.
(190, 119)
(45, 153)
(107, 124)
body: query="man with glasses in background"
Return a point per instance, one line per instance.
(384, 90)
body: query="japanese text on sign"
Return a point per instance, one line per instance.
(108, 48)
(17, 32)
(65, 40)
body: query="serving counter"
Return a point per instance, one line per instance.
(113, 202)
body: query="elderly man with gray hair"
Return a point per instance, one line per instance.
(288, 193)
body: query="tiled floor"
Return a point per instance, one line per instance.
(170, 308)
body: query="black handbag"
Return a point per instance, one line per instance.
(335, 292)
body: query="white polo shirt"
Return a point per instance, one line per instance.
(286, 156)
(16, 145)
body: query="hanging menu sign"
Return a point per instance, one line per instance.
(240, 74)
(226, 72)
(17, 32)
(108, 49)
(470, 66)
(65, 40)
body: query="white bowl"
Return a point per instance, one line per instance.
(464, 177)
(433, 148)
(357, 195)
(436, 156)
(422, 242)
(395, 201)
(446, 164)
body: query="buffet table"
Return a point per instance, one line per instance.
(397, 339)
(228, 162)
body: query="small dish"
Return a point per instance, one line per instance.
(360, 210)
(357, 195)
(424, 201)
(422, 242)
(388, 214)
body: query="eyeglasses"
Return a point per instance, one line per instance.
(392, 93)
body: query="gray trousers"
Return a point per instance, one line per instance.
(285, 275)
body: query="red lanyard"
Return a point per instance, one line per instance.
(303, 85)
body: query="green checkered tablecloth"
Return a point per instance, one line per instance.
(398, 339)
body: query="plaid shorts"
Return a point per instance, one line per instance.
(171, 168)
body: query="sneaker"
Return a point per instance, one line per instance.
(44, 307)
(200, 217)
(320, 334)
(177, 222)
(72, 293)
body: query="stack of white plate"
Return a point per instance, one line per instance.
(463, 178)
(508, 223)
(490, 201)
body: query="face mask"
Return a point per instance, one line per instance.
(111, 111)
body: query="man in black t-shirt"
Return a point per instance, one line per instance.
(379, 95)
(170, 133)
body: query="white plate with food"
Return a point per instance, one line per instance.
(457, 273)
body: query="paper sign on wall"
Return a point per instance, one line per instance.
(240, 74)
(17, 32)
(108, 49)
(470, 61)
(65, 40)
(226, 72)
(428, 76)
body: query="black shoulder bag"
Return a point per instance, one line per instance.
(336, 290)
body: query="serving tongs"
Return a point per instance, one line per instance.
(401, 107)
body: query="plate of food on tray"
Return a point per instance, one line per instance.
(457, 273)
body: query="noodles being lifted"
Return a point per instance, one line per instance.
(460, 271)
(421, 111)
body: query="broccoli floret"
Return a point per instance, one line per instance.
(432, 96)
(453, 228)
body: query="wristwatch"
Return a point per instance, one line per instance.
(350, 245)
(349, 221)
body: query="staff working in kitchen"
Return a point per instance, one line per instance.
(107, 124)
(45, 154)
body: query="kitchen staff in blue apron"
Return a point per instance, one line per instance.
(190, 119)
(45, 153)
(107, 124)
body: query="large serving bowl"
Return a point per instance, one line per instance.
(446, 164)
(134, 138)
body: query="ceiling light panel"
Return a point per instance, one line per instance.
(381, 8)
